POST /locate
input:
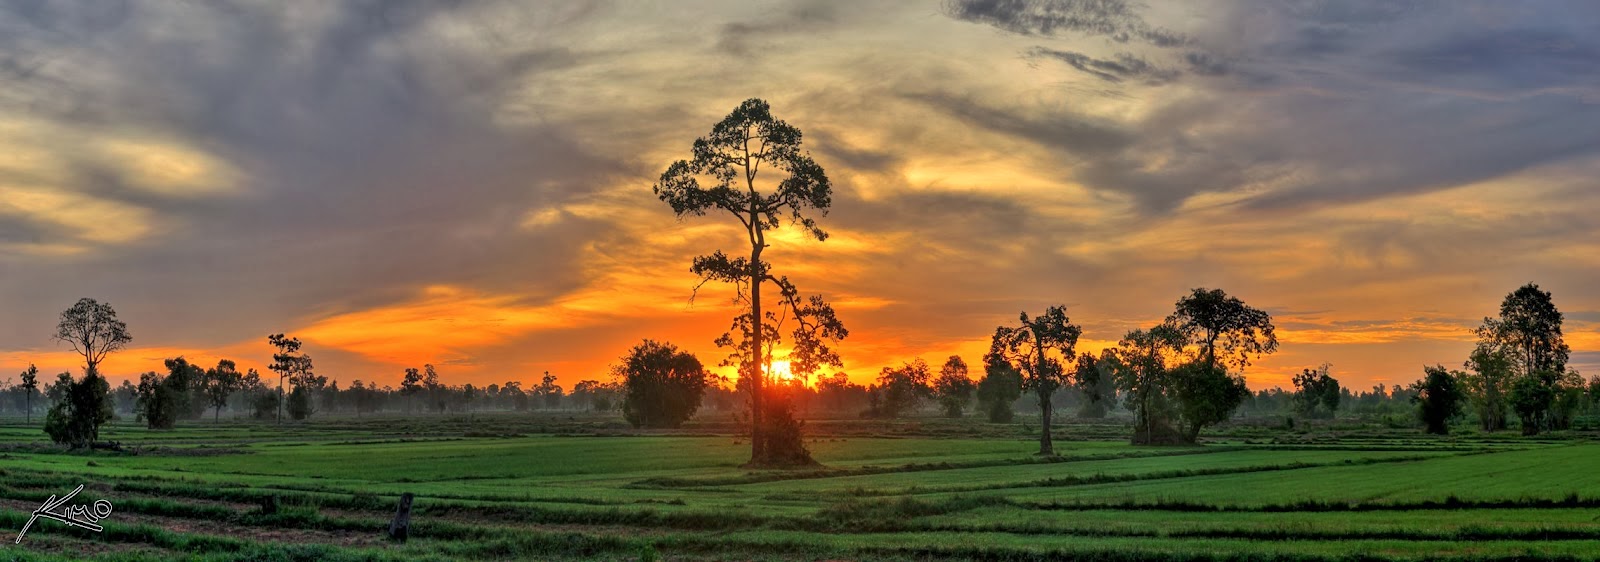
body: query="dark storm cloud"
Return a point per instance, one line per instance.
(370, 157)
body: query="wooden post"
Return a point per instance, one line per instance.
(400, 527)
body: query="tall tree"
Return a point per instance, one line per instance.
(954, 386)
(1529, 330)
(1211, 319)
(1040, 348)
(30, 384)
(93, 330)
(286, 363)
(731, 158)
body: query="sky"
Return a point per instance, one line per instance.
(468, 183)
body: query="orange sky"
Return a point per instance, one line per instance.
(470, 186)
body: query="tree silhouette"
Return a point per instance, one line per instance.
(1040, 348)
(1528, 332)
(93, 331)
(30, 384)
(731, 158)
(1438, 397)
(220, 383)
(287, 362)
(1142, 365)
(661, 385)
(901, 389)
(1000, 387)
(412, 384)
(1317, 393)
(954, 387)
(1489, 384)
(1212, 319)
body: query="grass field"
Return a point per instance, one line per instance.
(521, 486)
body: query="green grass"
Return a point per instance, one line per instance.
(573, 487)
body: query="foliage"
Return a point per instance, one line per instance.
(1439, 398)
(1040, 349)
(731, 158)
(953, 389)
(1210, 319)
(1316, 393)
(1204, 396)
(29, 386)
(1528, 334)
(1142, 365)
(290, 364)
(219, 384)
(1097, 382)
(1532, 396)
(93, 331)
(163, 400)
(76, 418)
(1488, 382)
(999, 388)
(661, 385)
(1528, 330)
(900, 390)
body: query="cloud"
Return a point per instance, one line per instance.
(1116, 20)
(1124, 66)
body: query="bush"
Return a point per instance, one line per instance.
(75, 420)
(661, 385)
(783, 444)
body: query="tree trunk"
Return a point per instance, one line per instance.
(757, 443)
(1045, 409)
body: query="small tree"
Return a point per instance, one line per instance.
(30, 384)
(220, 384)
(1316, 392)
(162, 400)
(93, 331)
(1489, 384)
(902, 389)
(1040, 349)
(1097, 382)
(1000, 387)
(549, 392)
(662, 385)
(1142, 365)
(1438, 397)
(954, 387)
(412, 384)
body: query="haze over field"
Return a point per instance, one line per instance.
(469, 186)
